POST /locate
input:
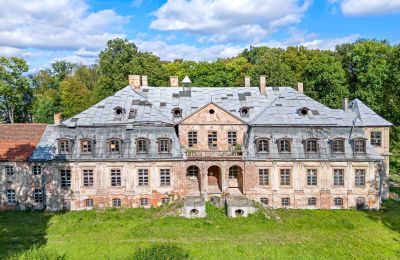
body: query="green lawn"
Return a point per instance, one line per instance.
(114, 234)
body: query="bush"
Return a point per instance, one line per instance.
(161, 252)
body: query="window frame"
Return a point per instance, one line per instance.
(334, 146)
(142, 143)
(264, 201)
(192, 138)
(65, 181)
(307, 144)
(116, 202)
(165, 177)
(36, 170)
(284, 148)
(338, 180)
(263, 177)
(232, 138)
(9, 170)
(212, 139)
(146, 200)
(88, 178)
(262, 143)
(143, 177)
(192, 169)
(11, 196)
(285, 202)
(233, 172)
(167, 143)
(62, 148)
(88, 148)
(357, 146)
(338, 202)
(312, 201)
(312, 180)
(376, 141)
(89, 203)
(117, 143)
(360, 177)
(284, 174)
(116, 177)
(37, 195)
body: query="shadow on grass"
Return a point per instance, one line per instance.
(389, 214)
(20, 230)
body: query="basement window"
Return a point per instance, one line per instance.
(338, 202)
(116, 202)
(165, 201)
(144, 202)
(89, 203)
(264, 201)
(285, 202)
(239, 212)
(312, 201)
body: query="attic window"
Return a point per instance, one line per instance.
(211, 111)
(118, 110)
(303, 111)
(177, 112)
(244, 111)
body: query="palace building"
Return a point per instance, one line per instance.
(146, 146)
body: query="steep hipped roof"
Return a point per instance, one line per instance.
(18, 141)
(366, 114)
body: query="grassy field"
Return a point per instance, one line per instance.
(115, 234)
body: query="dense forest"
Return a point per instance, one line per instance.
(366, 69)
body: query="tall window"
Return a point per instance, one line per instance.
(114, 146)
(38, 195)
(359, 146)
(263, 177)
(311, 146)
(338, 177)
(284, 146)
(88, 178)
(285, 177)
(233, 172)
(285, 201)
(65, 178)
(142, 146)
(116, 202)
(192, 171)
(165, 177)
(64, 146)
(312, 201)
(338, 146)
(376, 138)
(192, 138)
(115, 177)
(9, 170)
(163, 145)
(86, 146)
(232, 138)
(263, 145)
(11, 198)
(89, 203)
(143, 177)
(360, 178)
(338, 202)
(212, 139)
(312, 177)
(37, 170)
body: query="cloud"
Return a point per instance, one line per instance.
(226, 20)
(369, 7)
(137, 3)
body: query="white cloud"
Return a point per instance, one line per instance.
(227, 20)
(369, 7)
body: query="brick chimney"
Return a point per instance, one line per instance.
(345, 104)
(144, 81)
(300, 87)
(57, 118)
(247, 81)
(173, 81)
(263, 85)
(134, 82)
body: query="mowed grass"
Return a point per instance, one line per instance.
(115, 234)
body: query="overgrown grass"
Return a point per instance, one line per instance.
(117, 234)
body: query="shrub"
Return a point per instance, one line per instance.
(161, 252)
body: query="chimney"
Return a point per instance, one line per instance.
(134, 82)
(57, 118)
(345, 104)
(173, 81)
(144, 81)
(300, 87)
(247, 81)
(263, 85)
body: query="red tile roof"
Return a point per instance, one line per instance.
(18, 141)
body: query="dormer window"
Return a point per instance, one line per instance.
(311, 146)
(284, 146)
(244, 111)
(303, 111)
(164, 145)
(142, 146)
(86, 146)
(177, 112)
(338, 146)
(359, 146)
(119, 111)
(262, 145)
(114, 146)
(64, 146)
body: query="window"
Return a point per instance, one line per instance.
(284, 146)
(212, 139)
(264, 201)
(115, 177)
(338, 202)
(285, 177)
(144, 202)
(142, 146)
(143, 177)
(165, 200)
(163, 145)
(11, 199)
(263, 146)
(193, 171)
(233, 172)
(177, 112)
(64, 147)
(285, 201)
(86, 146)
(311, 146)
(312, 201)
(88, 178)
(338, 146)
(360, 178)
(37, 170)
(376, 138)
(114, 146)
(165, 177)
(192, 138)
(38, 195)
(232, 138)
(263, 177)
(338, 177)
(9, 170)
(359, 146)
(88, 202)
(312, 177)
(244, 111)
(116, 202)
(65, 178)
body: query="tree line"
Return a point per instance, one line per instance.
(366, 69)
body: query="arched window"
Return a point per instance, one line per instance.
(338, 145)
(86, 146)
(64, 146)
(177, 112)
(233, 172)
(284, 145)
(164, 145)
(142, 145)
(114, 146)
(192, 171)
(359, 146)
(262, 145)
(311, 146)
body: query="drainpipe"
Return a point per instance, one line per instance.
(381, 165)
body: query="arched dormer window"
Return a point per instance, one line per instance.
(177, 112)
(64, 146)
(359, 145)
(311, 145)
(86, 145)
(142, 145)
(262, 145)
(114, 145)
(338, 145)
(284, 145)
(164, 145)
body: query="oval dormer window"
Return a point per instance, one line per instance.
(119, 110)
(177, 112)
(303, 111)
(244, 111)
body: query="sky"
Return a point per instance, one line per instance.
(43, 31)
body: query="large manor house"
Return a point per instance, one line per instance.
(147, 146)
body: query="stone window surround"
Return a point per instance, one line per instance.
(359, 145)
(284, 145)
(113, 144)
(83, 178)
(311, 179)
(65, 146)
(376, 138)
(168, 143)
(363, 176)
(290, 177)
(192, 138)
(65, 179)
(116, 178)
(341, 145)
(343, 169)
(308, 146)
(148, 178)
(232, 137)
(268, 171)
(88, 148)
(142, 145)
(266, 141)
(116, 202)
(167, 182)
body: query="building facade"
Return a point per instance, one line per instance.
(145, 146)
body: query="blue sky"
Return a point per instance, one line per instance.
(43, 31)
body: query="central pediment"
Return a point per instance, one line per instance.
(211, 114)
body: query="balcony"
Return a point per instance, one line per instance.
(213, 154)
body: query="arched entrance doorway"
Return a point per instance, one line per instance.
(193, 180)
(214, 179)
(235, 179)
